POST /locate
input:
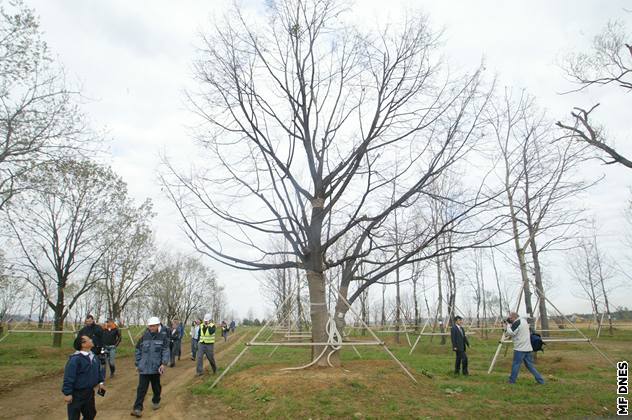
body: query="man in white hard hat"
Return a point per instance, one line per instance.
(205, 345)
(152, 355)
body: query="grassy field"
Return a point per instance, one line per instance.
(579, 383)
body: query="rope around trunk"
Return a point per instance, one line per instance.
(334, 341)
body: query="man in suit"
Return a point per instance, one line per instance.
(459, 341)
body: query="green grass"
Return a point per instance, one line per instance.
(579, 383)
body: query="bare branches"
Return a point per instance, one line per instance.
(38, 121)
(610, 63)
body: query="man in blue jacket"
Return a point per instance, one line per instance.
(152, 355)
(81, 375)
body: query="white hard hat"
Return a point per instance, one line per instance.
(154, 320)
(207, 317)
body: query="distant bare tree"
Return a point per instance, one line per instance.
(540, 182)
(609, 63)
(11, 290)
(183, 287)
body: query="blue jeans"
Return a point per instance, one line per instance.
(527, 357)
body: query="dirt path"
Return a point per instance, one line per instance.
(43, 398)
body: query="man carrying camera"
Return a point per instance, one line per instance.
(518, 329)
(81, 375)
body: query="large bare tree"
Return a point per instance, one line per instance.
(304, 115)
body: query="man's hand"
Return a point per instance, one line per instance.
(454, 349)
(161, 369)
(68, 399)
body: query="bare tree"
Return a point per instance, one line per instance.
(60, 225)
(38, 121)
(540, 182)
(183, 287)
(303, 113)
(11, 290)
(609, 63)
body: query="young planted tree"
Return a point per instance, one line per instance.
(62, 226)
(38, 121)
(303, 113)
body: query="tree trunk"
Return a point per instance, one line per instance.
(318, 313)
(383, 322)
(416, 303)
(521, 260)
(298, 301)
(603, 289)
(398, 303)
(544, 319)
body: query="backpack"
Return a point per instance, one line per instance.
(537, 343)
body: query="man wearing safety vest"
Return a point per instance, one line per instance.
(206, 344)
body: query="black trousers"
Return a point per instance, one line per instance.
(461, 360)
(82, 405)
(143, 385)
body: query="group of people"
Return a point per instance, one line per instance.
(516, 328)
(157, 348)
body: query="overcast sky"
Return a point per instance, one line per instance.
(133, 62)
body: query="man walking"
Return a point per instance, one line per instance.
(152, 355)
(81, 375)
(518, 329)
(174, 343)
(459, 343)
(206, 344)
(181, 335)
(195, 336)
(111, 340)
(94, 331)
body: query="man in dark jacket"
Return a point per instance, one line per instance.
(94, 331)
(152, 355)
(111, 340)
(459, 341)
(81, 375)
(174, 343)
